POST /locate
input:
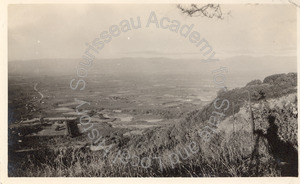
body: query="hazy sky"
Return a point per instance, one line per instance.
(61, 31)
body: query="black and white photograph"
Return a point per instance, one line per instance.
(152, 90)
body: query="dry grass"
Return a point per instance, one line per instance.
(232, 158)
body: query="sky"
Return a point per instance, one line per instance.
(62, 31)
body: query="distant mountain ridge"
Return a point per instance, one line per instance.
(254, 66)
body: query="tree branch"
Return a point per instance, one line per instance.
(209, 10)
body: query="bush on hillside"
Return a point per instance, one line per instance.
(254, 82)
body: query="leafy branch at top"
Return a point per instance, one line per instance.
(209, 10)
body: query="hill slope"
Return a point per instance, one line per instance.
(232, 149)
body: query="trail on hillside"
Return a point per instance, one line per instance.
(42, 96)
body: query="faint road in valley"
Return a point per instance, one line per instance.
(42, 96)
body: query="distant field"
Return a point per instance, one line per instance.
(132, 104)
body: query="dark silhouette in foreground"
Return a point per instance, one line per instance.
(284, 153)
(72, 128)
